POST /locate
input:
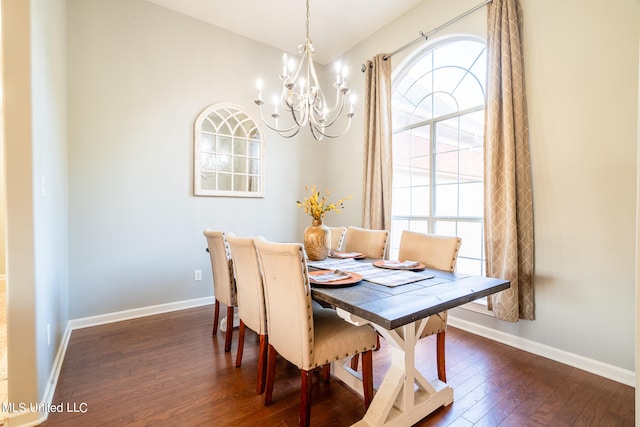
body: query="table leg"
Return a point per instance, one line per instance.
(405, 396)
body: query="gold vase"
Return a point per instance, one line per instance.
(317, 241)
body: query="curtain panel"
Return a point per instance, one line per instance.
(377, 168)
(508, 195)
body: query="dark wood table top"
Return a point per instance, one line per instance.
(392, 307)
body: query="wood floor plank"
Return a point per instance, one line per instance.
(168, 370)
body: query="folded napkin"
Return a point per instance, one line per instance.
(400, 264)
(331, 276)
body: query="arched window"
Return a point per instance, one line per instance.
(229, 153)
(438, 122)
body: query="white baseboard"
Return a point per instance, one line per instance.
(29, 418)
(134, 313)
(611, 372)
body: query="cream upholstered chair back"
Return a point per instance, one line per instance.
(306, 337)
(370, 243)
(439, 252)
(337, 237)
(224, 288)
(250, 292)
(288, 300)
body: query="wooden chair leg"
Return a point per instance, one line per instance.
(305, 399)
(354, 359)
(326, 371)
(262, 363)
(216, 314)
(271, 374)
(229, 334)
(354, 362)
(241, 330)
(367, 377)
(442, 371)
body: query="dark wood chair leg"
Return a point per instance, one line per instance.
(442, 371)
(354, 362)
(305, 398)
(229, 334)
(241, 330)
(326, 372)
(262, 363)
(216, 315)
(367, 377)
(271, 374)
(354, 359)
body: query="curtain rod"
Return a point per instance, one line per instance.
(426, 36)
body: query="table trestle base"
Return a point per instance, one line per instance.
(405, 396)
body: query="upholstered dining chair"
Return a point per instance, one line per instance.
(305, 337)
(441, 253)
(250, 296)
(337, 237)
(224, 287)
(370, 243)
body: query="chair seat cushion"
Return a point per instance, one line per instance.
(335, 338)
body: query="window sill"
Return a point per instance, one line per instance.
(478, 307)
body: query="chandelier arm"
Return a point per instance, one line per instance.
(335, 117)
(335, 135)
(276, 128)
(339, 95)
(291, 135)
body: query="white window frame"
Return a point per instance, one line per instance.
(479, 306)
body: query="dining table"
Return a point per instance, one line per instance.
(397, 302)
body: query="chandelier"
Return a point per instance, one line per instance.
(303, 100)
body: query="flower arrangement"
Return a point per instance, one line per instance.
(317, 205)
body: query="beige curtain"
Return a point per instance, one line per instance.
(508, 196)
(376, 206)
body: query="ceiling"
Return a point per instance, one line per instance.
(335, 25)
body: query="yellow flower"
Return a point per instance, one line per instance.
(317, 205)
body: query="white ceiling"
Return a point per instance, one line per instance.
(335, 25)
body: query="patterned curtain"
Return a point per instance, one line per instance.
(508, 197)
(376, 206)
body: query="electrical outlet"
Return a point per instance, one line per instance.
(48, 334)
(197, 275)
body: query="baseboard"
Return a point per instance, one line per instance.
(134, 313)
(33, 416)
(611, 372)
(29, 418)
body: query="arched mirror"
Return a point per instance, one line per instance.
(229, 153)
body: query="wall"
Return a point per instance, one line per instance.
(35, 138)
(139, 75)
(50, 180)
(581, 71)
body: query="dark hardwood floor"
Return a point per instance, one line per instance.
(167, 370)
